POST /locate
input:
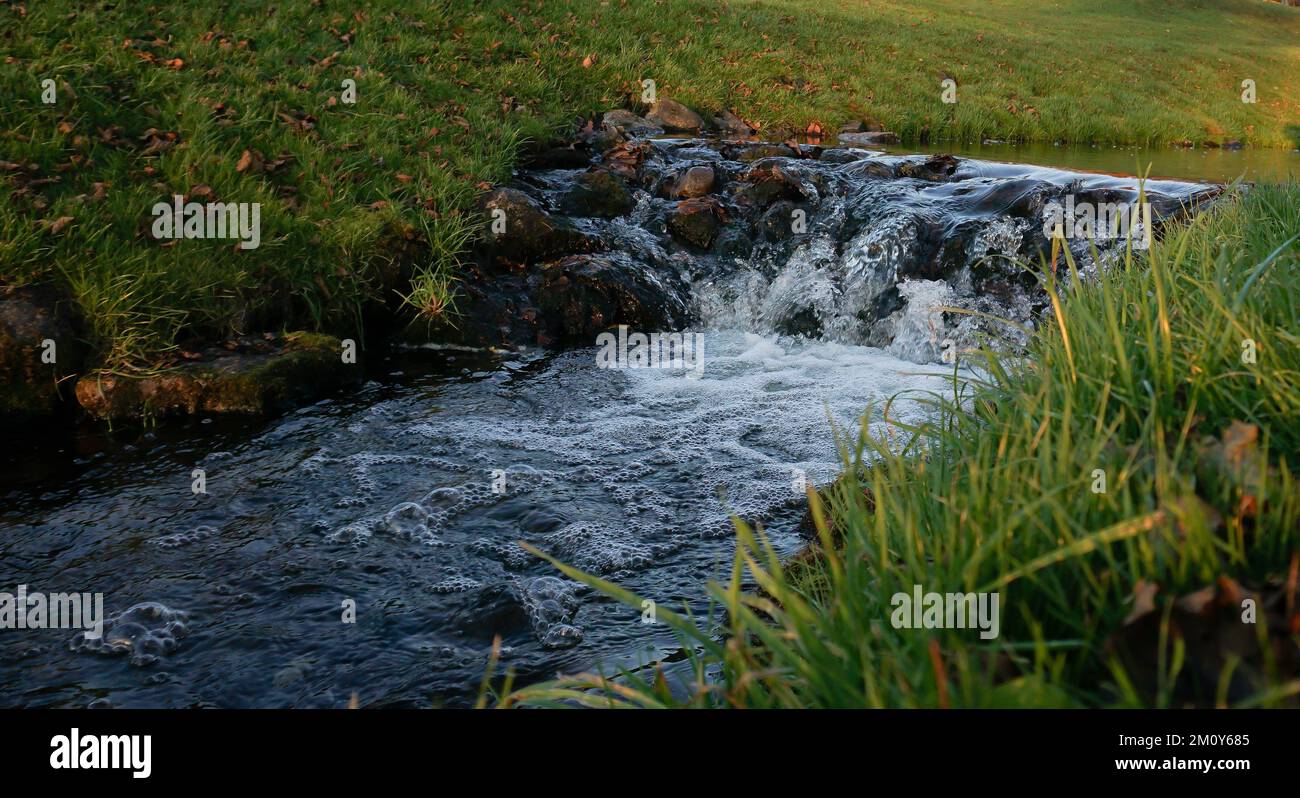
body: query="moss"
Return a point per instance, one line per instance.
(305, 367)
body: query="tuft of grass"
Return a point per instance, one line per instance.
(1141, 375)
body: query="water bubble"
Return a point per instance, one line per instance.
(144, 633)
(551, 604)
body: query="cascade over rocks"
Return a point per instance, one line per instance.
(843, 243)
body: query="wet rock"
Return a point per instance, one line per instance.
(869, 139)
(733, 243)
(581, 296)
(519, 230)
(693, 182)
(873, 168)
(803, 322)
(936, 167)
(599, 138)
(768, 181)
(757, 152)
(493, 309)
(696, 221)
(778, 222)
(630, 123)
(598, 192)
(1023, 198)
(30, 317)
(837, 155)
(674, 117)
(253, 376)
(729, 124)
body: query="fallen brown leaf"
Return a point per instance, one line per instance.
(250, 160)
(58, 224)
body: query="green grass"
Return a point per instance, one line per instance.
(1140, 374)
(376, 198)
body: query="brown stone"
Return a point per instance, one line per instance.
(694, 182)
(674, 117)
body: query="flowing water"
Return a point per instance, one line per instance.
(408, 497)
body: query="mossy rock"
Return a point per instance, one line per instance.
(250, 376)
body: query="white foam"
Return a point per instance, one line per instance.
(623, 469)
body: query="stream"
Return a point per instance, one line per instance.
(406, 499)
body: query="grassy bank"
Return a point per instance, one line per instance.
(1130, 590)
(242, 102)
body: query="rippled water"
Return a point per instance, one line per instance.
(386, 497)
